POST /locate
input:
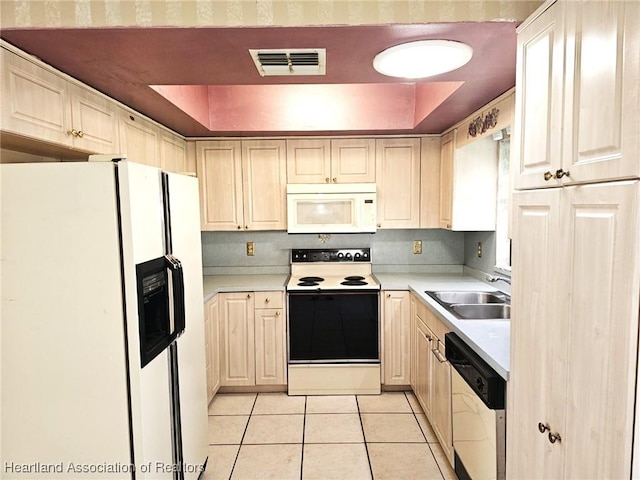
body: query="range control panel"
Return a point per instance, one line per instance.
(305, 255)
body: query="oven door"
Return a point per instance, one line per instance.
(334, 327)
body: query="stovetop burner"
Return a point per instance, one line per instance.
(353, 283)
(311, 279)
(354, 278)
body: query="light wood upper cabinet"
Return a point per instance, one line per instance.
(140, 139)
(602, 84)
(468, 184)
(39, 104)
(398, 182)
(264, 184)
(173, 153)
(396, 323)
(338, 160)
(353, 160)
(242, 184)
(308, 160)
(430, 182)
(589, 51)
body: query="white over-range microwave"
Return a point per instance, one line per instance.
(331, 208)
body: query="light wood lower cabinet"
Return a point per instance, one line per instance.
(252, 339)
(212, 342)
(576, 284)
(396, 337)
(432, 382)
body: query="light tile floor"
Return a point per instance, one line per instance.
(275, 436)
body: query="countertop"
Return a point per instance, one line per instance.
(488, 338)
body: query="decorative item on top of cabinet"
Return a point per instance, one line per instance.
(242, 184)
(396, 337)
(253, 339)
(398, 182)
(38, 103)
(468, 184)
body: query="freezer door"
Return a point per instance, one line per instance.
(184, 206)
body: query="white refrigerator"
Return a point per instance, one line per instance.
(102, 323)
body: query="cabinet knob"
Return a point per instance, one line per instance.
(278, 313)
(543, 427)
(248, 295)
(73, 132)
(561, 173)
(239, 227)
(379, 225)
(388, 295)
(266, 300)
(548, 176)
(554, 437)
(326, 180)
(335, 180)
(246, 227)
(81, 134)
(449, 226)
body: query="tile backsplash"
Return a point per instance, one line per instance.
(391, 250)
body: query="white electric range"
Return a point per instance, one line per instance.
(333, 323)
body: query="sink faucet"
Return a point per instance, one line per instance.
(495, 279)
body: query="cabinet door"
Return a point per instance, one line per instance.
(600, 228)
(94, 122)
(413, 346)
(139, 140)
(271, 351)
(220, 178)
(424, 357)
(447, 152)
(264, 184)
(430, 182)
(212, 346)
(602, 112)
(396, 325)
(35, 102)
(537, 377)
(308, 161)
(398, 182)
(353, 160)
(237, 347)
(441, 399)
(536, 141)
(173, 153)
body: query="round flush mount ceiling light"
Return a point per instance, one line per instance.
(421, 59)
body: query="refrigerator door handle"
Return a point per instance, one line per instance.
(177, 281)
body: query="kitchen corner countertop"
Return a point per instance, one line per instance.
(213, 284)
(488, 338)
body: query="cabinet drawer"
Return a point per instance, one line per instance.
(268, 299)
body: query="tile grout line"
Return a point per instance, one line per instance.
(235, 461)
(425, 435)
(366, 446)
(304, 426)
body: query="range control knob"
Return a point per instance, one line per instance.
(365, 255)
(348, 256)
(340, 255)
(357, 256)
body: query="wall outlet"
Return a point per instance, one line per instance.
(417, 247)
(479, 249)
(250, 249)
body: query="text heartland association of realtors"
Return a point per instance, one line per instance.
(107, 468)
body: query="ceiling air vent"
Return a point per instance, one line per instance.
(310, 61)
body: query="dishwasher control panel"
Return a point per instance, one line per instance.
(478, 374)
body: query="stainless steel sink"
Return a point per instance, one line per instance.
(474, 305)
(451, 298)
(486, 311)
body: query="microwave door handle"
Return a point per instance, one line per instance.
(177, 284)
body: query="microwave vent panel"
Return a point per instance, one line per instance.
(290, 62)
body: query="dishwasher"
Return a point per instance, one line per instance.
(478, 413)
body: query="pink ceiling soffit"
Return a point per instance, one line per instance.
(298, 108)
